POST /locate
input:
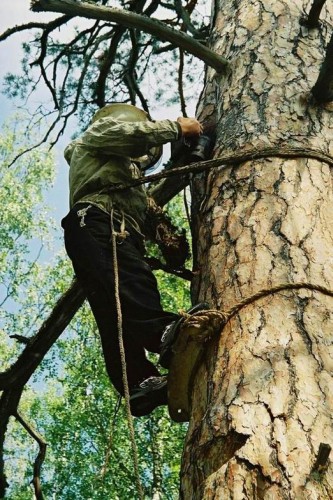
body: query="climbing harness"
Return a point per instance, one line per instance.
(120, 237)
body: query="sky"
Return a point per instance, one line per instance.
(16, 12)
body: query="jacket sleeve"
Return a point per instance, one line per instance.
(131, 139)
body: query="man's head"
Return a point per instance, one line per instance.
(122, 112)
(129, 113)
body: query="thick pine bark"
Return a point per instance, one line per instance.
(262, 398)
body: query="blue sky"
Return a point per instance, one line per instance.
(13, 12)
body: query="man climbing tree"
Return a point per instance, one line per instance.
(101, 158)
(261, 404)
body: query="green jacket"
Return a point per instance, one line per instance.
(101, 158)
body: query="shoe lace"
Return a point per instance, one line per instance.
(153, 382)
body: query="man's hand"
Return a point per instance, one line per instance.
(190, 127)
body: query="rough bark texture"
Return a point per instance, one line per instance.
(262, 398)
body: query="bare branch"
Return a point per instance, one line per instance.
(13, 380)
(74, 107)
(312, 21)
(40, 457)
(131, 79)
(156, 264)
(44, 139)
(184, 14)
(106, 63)
(164, 48)
(110, 440)
(180, 83)
(133, 20)
(57, 23)
(151, 8)
(20, 338)
(9, 401)
(66, 49)
(22, 27)
(323, 89)
(20, 372)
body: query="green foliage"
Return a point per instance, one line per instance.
(94, 63)
(70, 400)
(25, 231)
(89, 453)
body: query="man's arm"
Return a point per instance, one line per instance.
(132, 139)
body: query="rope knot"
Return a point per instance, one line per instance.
(203, 325)
(121, 236)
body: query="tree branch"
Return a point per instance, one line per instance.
(110, 441)
(312, 21)
(156, 265)
(323, 88)
(44, 139)
(9, 401)
(20, 372)
(133, 20)
(185, 16)
(106, 63)
(12, 381)
(40, 63)
(22, 27)
(40, 457)
(130, 76)
(20, 338)
(164, 48)
(180, 83)
(152, 8)
(108, 59)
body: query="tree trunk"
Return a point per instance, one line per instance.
(262, 397)
(157, 460)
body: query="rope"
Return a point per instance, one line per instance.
(275, 289)
(110, 443)
(224, 316)
(228, 159)
(123, 363)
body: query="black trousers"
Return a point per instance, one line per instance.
(89, 245)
